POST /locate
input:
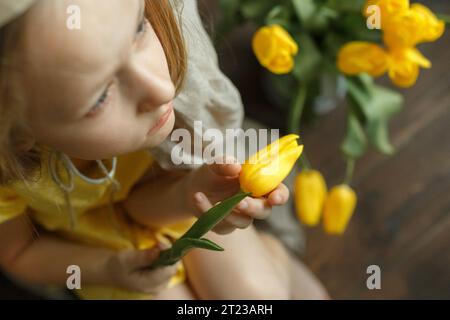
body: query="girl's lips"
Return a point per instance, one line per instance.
(163, 120)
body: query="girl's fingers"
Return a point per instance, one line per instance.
(202, 202)
(224, 228)
(239, 220)
(228, 167)
(153, 281)
(229, 224)
(279, 196)
(141, 258)
(254, 208)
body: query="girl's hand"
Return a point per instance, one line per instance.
(213, 183)
(126, 269)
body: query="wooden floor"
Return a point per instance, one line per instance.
(402, 221)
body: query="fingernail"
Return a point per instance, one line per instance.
(199, 197)
(243, 205)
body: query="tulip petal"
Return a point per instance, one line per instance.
(417, 57)
(264, 171)
(275, 49)
(309, 196)
(434, 28)
(359, 56)
(264, 46)
(267, 178)
(339, 208)
(264, 154)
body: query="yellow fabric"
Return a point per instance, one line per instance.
(96, 224)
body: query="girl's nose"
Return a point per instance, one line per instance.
(150, 84)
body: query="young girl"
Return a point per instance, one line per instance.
(70, 97)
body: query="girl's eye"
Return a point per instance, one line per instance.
(142, 27)
(101, 102)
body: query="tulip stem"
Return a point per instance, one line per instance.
(349, 170)
(296, 111)
(444, 17)
(304, 162)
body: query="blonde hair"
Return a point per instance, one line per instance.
(17, 158)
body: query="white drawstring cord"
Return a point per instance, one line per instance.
(70, 169)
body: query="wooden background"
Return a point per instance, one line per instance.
(402, 221)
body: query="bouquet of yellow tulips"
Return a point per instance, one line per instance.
(300, 41)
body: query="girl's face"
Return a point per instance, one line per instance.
(100, 91)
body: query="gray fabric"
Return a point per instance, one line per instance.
(10, 9)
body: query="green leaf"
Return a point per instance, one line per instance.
(377, 105)
(353, 26)
(186, 244)
(256, 10)
(378, 132)
(320, 21)
(355, 143)
(193, 237)
(307, 62)
(333, 42)
(209, 245)
(180, 248)
(280, 14)
(444, 17)
(305, 10)
(346, 5)
(214, 216)
(296, 110)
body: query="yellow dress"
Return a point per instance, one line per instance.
(45, 202)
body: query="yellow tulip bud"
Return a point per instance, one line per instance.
(358, 57)
(404, 66)
(275, 49)
(338, 210)
(310, 193)
(264, 171)
(433, 27)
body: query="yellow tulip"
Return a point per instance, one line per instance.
(413, 26)
(264, 171)
(358, 57)
(388, 9)
(433, 27)
(338, 210)
(404, 30)
(310, 193)
(275, 49)
(404, 66)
